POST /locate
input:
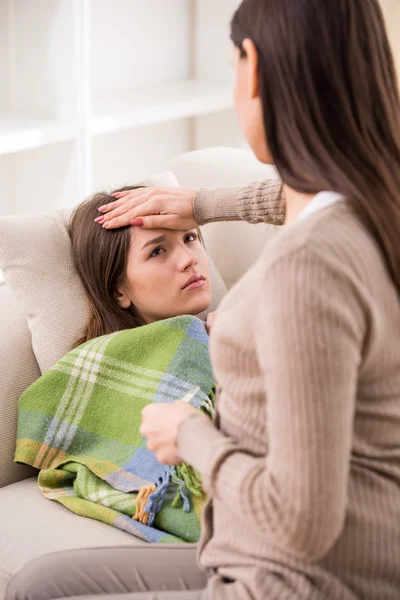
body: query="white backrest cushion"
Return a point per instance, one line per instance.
(36, 259)
(234, 246)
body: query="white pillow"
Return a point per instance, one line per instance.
(36, 259)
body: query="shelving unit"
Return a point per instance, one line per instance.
(159, 104)
(95, 94)
(98, 93)
(17, 134)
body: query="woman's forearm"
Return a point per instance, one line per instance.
(258, 202)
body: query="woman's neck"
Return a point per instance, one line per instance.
(295, 203)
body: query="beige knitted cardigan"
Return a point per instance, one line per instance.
(303, 460)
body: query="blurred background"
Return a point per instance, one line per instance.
(96, 94)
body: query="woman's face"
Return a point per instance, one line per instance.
(248, 102)
(167, 274)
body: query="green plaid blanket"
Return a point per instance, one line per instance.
(79, 424)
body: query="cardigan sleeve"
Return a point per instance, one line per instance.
(258, 202)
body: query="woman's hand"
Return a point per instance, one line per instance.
(152, 208)
(210, 321)
(160, 425)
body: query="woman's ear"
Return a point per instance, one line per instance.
(253, 81)
(122, 297)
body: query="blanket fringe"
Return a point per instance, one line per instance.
(141, 514)
(186, 480)
(157, 498)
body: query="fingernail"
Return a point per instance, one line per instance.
(102, 207)
(106, 225)
(99, 219)
(137, 222)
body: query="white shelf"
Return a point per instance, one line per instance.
(63, 85)
(152, 105)
(23, 134)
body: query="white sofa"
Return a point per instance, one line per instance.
(29, 524)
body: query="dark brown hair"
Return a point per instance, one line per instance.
(100, 258)
(328, 88)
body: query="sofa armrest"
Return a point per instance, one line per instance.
(19, 370)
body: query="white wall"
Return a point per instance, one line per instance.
(391, 10)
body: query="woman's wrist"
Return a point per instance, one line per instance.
(181, 437)
(199, 443)
(198, 212)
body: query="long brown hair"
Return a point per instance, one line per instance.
(329, 92)
(100, 258)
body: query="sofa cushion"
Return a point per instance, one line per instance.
(36, 259)
(31, 526)
(19, 370)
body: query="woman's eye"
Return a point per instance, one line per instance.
(157, 252)
(191, 237)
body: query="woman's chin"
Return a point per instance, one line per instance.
(194, 305)
(197, 305)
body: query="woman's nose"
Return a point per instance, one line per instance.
(186, 259)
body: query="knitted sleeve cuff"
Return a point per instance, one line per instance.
(258, 202)
(215, 205)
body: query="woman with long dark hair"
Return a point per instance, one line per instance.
(134, 277)
(302, 462)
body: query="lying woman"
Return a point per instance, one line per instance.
(133, 276)
(79, 423)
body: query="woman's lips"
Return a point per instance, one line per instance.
(194, 285)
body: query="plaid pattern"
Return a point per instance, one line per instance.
(79, 424)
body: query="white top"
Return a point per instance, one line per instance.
(319, 201)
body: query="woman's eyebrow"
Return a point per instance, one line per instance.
(156, 240)
(161, 238)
